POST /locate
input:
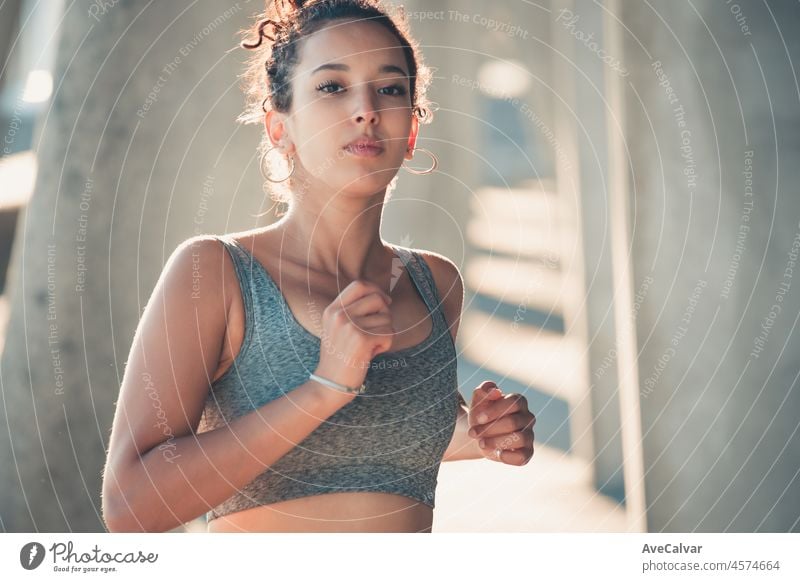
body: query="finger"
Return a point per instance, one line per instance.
(371, 303)
(358, 289)
(479, 396)
(508, 441)
(483, 394)
(524, 420)
(490, 410)
(484, 388)
(516, 457)
(502, 425)
(375, 323)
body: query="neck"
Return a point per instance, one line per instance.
(339, 236)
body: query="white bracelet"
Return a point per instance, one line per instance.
(337, 386)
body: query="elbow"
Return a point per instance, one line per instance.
(121, 517)
(124, 511)
(119, 506)
(114, 523)
(115, 520)
(118, 515)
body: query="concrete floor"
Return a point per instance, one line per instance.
(552, 493)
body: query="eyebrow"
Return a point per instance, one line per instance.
(343, 67)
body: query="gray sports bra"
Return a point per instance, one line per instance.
(390, 439)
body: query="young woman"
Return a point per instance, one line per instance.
(302, 377)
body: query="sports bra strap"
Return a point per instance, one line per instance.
(422, 277)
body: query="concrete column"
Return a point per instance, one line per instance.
(138, 152)
(712, 116)
(582, 118)
(9, 26)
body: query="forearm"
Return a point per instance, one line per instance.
(462, 446)
(160, 491)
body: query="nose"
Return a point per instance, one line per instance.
(366, 110)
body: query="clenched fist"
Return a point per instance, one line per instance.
(502, 424)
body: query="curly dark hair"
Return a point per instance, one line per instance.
(281, 27)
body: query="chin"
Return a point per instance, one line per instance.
(367, 184)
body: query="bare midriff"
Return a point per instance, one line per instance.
(342, 512)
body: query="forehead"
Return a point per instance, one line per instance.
(354, 42)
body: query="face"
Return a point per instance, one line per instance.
(351, 83)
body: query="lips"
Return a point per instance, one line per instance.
(364, 146)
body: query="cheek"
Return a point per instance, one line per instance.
(399, 122)
(318, 156)
(319, 139)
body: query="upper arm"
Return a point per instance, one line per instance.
(175, 352)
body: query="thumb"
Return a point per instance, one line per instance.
(487, 391)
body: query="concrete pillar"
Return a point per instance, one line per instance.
(712, 113)
(139, 151)
(9, 25)
(582, 119)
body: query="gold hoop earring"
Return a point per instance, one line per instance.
(264, 174)
(429, 170)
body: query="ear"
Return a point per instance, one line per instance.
(275, 126)
(412, 138)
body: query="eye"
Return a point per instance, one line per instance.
(327, 84)
(400, 90)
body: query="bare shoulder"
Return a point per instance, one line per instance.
(202, 245)
(449, 284)
(203, 267)
(201, 274)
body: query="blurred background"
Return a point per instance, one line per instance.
(617, 182)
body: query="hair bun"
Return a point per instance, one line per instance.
(277, 18)
(288, 7)
(262, 24)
